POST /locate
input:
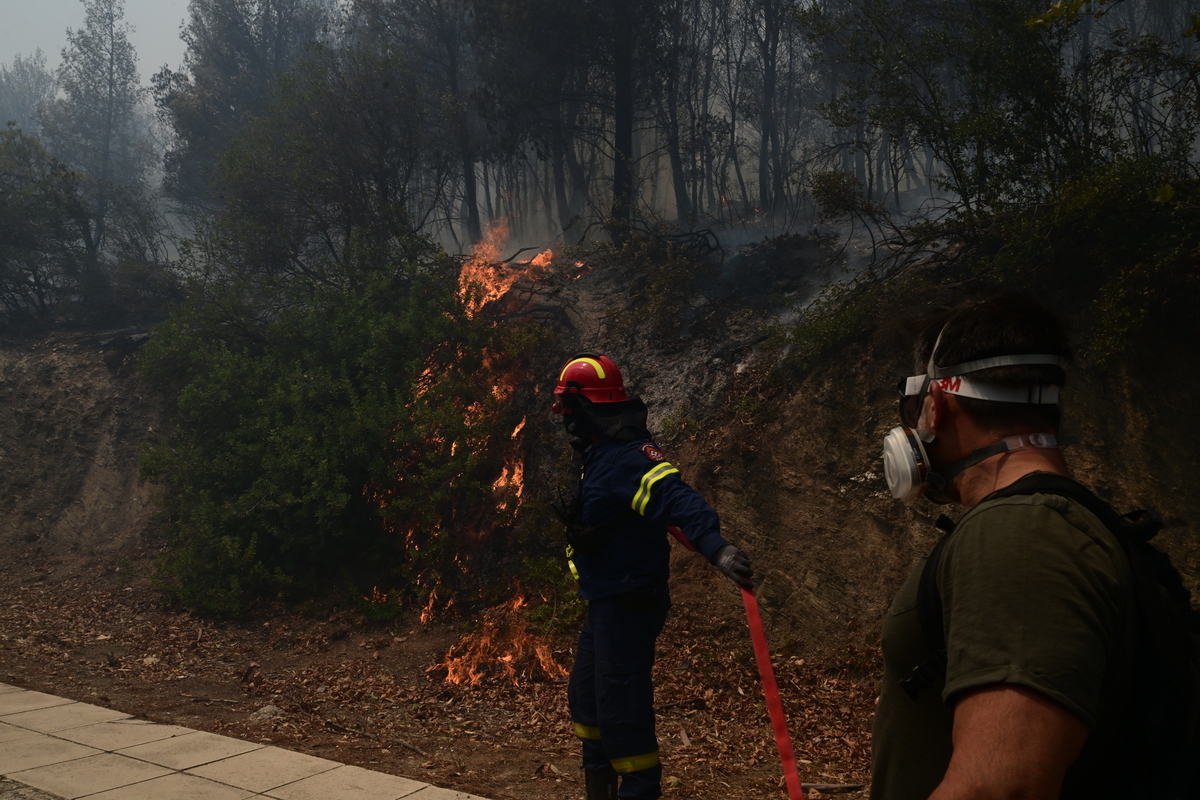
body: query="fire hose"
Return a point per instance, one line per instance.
(766, 672)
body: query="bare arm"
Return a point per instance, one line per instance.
(1010, 742)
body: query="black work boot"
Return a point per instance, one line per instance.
(601, 783)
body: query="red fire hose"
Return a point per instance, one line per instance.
(774, 705)
(783, 740)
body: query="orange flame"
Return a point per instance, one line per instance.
(512, 479)
(485, 278)
(427, 612)
(481, 280)
(504, 649)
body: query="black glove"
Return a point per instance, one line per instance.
(734, 564)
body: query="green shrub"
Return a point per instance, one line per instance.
(556, 609)
(843, 312)
(1124, 240)
(664, 281)
(339, 435)
(677, 422)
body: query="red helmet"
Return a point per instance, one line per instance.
(594, 377)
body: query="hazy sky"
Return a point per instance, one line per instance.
(26, 25)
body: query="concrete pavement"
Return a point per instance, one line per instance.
(74, 750)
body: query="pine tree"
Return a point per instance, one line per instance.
(98, 128)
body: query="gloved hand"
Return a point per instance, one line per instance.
(734, 564)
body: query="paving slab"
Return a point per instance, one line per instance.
(24, 700)
(267, 768)
(191, 750)
(120, 734)
(10, 733)
(63, 717)
(348, 783)
(39, 751)
(87, 776)
(53, 748)
(176, 786)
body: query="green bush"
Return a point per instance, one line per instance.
(1124, 240)
(664, 279)
(556, 608)
(843, 312)
(333, 399)
(337, 437)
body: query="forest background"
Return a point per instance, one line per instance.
(291, 204)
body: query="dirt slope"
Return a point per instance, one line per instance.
(72, 423)
(795, 474)
(800, 480)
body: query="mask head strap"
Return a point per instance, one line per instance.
(1008, 444)
(913, 389)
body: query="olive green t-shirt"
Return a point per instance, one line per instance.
(1036, 592)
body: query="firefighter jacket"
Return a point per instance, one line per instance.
(629, 494)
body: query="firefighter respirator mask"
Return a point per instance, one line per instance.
(575, 419)
(906, 465)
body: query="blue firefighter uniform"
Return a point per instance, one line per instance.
(631, 493)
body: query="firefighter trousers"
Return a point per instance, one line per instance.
(611, 691)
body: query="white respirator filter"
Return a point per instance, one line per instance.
(905, 464)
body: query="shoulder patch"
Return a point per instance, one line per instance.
(650, 451)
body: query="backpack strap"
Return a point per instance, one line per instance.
(1052, 483)
(929, 613)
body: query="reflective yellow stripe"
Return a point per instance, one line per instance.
(642, 498)
(595, 365)
(636, 763)
(571, 562)
(588, 732)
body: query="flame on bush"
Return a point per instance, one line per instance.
(504, 649)
(413, 520)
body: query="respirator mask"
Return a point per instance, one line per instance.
(906, 464)
(622, 421)
(575, 419)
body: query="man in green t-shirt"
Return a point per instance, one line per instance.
(1037, 605)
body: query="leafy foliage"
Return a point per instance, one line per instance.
(38, 209)
(1124, 238)
(96, 127)
(1121, 242)
(842, 312)
(238, 51)
(664, 276)
(1006, 109)
(560, 610)
(23, 87)
(339, 434)
(334, 402)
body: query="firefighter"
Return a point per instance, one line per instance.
(617, 525)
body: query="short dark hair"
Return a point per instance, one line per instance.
(998, 325)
